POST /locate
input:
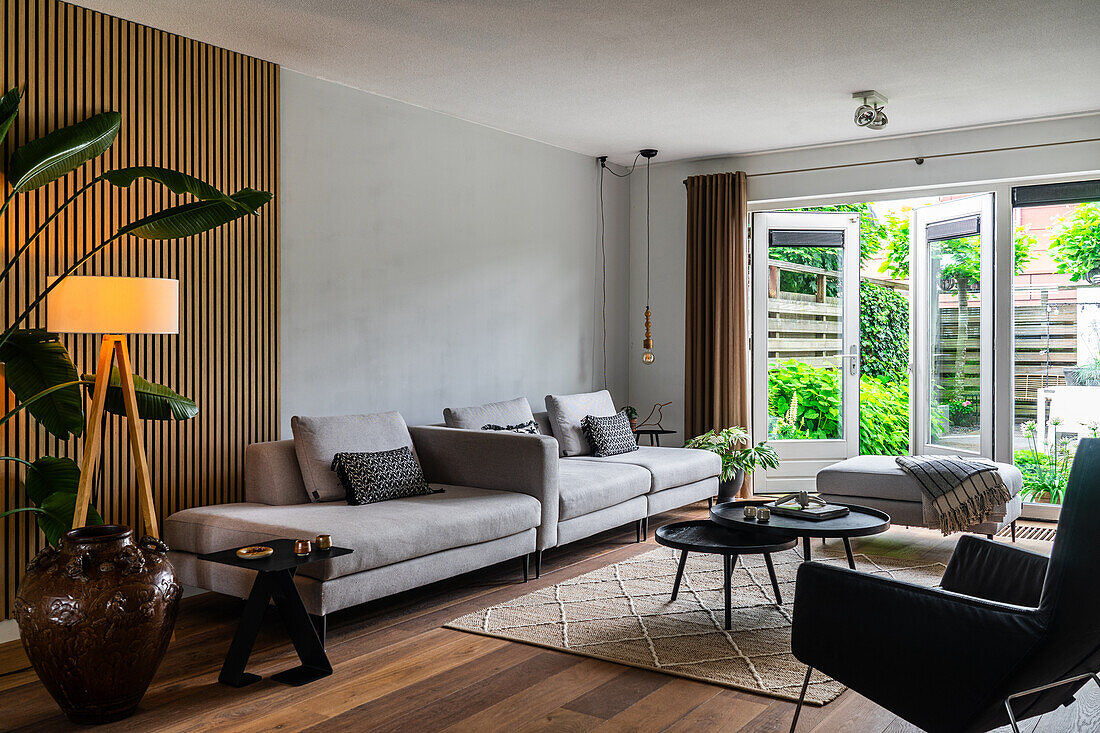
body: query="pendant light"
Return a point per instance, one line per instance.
(647, 342)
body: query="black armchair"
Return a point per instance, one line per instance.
(1008, 635)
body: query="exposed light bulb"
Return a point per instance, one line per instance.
(647, 342)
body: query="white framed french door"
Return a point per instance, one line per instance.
(951, 375)
(805, 310)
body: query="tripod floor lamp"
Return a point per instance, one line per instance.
(114, 307)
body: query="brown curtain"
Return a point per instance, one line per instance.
(716, 385)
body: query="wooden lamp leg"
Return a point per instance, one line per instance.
(112, 348)
(137, 449)
(93, 438)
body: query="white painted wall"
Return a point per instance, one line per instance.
(430, 262)
(664, 379)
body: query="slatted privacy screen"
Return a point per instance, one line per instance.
(187, 106)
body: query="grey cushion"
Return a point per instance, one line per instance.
(585, 486)
(566, 413)
(510, 412)
(543, 420)
(272, 475)
(669, 467)
(318, 439)
(380, 534)
(881, 477)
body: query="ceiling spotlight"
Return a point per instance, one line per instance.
(870, 114)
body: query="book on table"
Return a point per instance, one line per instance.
(810, 513)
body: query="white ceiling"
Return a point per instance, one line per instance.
(692, 78)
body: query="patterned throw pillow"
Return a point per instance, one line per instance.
(609, 436)
(371, 477)
(531, 427)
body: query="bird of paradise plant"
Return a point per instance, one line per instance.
(37, 367)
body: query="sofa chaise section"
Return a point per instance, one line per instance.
(399, 544)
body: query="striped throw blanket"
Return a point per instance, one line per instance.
(963, 491)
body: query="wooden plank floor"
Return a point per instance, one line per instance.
(397, 669)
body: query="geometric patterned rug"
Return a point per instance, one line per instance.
(622, 613)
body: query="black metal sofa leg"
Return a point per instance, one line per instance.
(526, 559)
(538, 563)
(801, 698)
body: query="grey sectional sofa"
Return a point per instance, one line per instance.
(505, 495)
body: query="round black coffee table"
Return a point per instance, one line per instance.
(861, 521)
(705, 536)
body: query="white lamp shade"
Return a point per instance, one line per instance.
(114, 305)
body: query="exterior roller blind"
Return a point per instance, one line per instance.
(805, 238)
(966, 226)
(1074, 192)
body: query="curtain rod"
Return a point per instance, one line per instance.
(919, 160)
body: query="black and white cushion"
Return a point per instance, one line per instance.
(609, 436)
(531, 427)
(371, 477)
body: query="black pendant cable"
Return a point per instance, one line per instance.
(647, 342)
(648, 154)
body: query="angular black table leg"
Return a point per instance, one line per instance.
(771, 574)
(303, 636)
(730, 560)
(679, 573)
(240, 648)
(848, 552)
(805, 549)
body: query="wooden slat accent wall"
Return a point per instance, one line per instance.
(188, 106)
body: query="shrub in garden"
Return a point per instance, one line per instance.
(814, 393)
(883, 331)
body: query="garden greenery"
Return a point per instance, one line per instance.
(1076, 243)
(883, 332)
(804, 402)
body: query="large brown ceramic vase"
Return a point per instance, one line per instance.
(96, 617)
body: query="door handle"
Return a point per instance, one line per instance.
(854, 356)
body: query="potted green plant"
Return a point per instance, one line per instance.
(631, 415)
(739, 457)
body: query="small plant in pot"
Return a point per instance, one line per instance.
(739, 457)
(631, 415)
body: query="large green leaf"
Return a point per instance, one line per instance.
(154, 401)
(48, 475)
(197, 217)
(9, 108)
(51, 486)
(56, 517)
(35, 360)
(175, 181)
(51, 156)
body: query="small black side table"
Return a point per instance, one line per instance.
(275, 580)
(702, 535)
(653, 433)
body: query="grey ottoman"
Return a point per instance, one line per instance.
(878, 482)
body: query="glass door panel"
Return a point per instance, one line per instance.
(806, 342)
(952, 251)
